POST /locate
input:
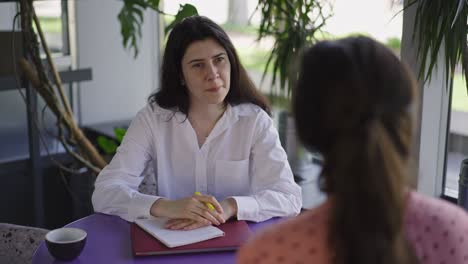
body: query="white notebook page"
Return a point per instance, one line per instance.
(176, 238)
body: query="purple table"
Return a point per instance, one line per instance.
(109, 241)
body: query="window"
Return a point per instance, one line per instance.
(53, 19)
(457, 142)
(53, 16)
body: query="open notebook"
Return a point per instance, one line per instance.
(149, 237)
(177, 238)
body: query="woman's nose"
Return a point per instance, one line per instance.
(212, 72)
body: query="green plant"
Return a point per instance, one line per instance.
(394, 43)
(131, 19)
(293, 25)
(441, 23)
(46, 80)
(108, 145)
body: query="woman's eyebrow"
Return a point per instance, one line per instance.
(195, 60)
(200, 60)
(219, 54)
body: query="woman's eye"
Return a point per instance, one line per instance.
(219, 59)
(196, 65)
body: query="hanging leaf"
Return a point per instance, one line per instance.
(119, 133)
(107, 145)
(461, 3)
(293, 25)
(131, 17)
(449, 31)
(154, 4)
(186, 10)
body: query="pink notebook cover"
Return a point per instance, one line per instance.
(236, 233)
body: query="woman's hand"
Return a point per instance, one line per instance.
(190, 208)
(184, 224)
(229, 206)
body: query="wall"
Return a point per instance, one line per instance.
(121, 84)
(7, 12)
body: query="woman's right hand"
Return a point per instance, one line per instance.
(193, 208)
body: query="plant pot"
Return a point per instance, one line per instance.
(67, 196)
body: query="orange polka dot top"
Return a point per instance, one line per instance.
(437, 230)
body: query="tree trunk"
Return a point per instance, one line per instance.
(238, 12)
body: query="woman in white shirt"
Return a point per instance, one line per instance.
(208, 130)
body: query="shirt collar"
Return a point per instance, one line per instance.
(230, 116)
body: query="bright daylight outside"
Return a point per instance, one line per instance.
(380, 19)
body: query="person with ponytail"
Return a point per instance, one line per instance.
(353, 103)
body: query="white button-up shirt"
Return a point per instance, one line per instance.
(242, 158)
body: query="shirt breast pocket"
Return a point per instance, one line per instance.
(232, 177)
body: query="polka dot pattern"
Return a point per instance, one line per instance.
(292, 242)
(437, 230)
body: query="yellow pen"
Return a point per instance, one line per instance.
(209, 205)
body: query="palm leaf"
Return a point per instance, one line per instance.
(441, 23)
(119, 133)
(184, 11)
(131, 18)
(293, 25)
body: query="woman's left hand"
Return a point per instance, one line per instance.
(184, 224)
(229, 210)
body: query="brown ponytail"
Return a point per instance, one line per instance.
(368, 207)
(351, 104)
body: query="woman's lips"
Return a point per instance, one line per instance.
(214, 89)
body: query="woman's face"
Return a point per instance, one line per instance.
(206, 72)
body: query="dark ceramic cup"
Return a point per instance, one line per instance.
(65, 243)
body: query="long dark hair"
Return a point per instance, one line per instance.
(352, 104)
(172, 94)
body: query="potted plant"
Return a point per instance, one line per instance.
(293, 26)
(75, 180)
(71, 135)
(449, 31)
